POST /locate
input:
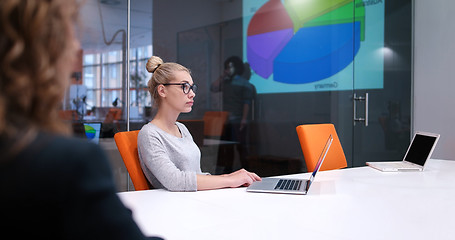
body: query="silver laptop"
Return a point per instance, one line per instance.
(293, 186)
(419, 151)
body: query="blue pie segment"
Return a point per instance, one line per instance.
(316, 53)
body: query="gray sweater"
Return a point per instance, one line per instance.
(168, 161)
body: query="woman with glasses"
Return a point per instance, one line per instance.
(169, 157)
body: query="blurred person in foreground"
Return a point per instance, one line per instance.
(53, 186)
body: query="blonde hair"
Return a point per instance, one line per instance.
(36, 37)
(162, 73)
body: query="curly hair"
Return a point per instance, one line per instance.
(237, 62)
(36, 42)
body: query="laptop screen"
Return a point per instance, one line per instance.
(321, 159)
(92, 131)
(420, 149)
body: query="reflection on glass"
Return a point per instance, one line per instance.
(283, 100)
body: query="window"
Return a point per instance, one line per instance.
(103, 77)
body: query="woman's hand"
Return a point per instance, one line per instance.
(236, 179)
(242, 178)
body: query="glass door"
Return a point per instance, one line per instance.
(340, 62)
(303, 71)
(382, 84)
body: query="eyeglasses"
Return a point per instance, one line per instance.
(186, 87)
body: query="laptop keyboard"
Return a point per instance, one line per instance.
(403, 165)
(288, 184)
(398, 165)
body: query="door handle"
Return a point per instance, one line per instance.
(361, 99)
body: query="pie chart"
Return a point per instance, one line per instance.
(90, 132)
(304, 41)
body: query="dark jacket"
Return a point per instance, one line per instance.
(61, 188)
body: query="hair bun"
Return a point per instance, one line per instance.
(153, 63)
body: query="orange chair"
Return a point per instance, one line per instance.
(312, 139)
(68, 115)
(214, 123)
(112, 115)
(127, 146)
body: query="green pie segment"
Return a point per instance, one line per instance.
(302, 11)
(345, 14)
(90, 132)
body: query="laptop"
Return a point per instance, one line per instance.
(291, 186)
(92, 131)
(419, 151)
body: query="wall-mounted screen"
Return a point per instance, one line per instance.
(307, 45)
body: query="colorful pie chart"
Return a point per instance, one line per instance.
(90, 132)
(304, 41)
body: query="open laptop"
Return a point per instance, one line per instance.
(292, 186)
(92, 131)
(419, 151)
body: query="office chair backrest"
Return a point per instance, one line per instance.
(312, 138)
(113, 114)
(127, 146)
(214, 123)
(68, 115)
(196, 128)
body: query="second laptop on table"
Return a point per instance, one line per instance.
(419, 151)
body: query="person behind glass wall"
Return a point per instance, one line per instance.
(53, 186)
(168, 155)
(238, 96)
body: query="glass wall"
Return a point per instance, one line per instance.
(301, 62)
(96, 103)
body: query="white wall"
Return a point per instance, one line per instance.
(434, 65)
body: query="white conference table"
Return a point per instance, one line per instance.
(354, 203)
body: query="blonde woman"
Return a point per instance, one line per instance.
(168, 155)
(53, 186)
